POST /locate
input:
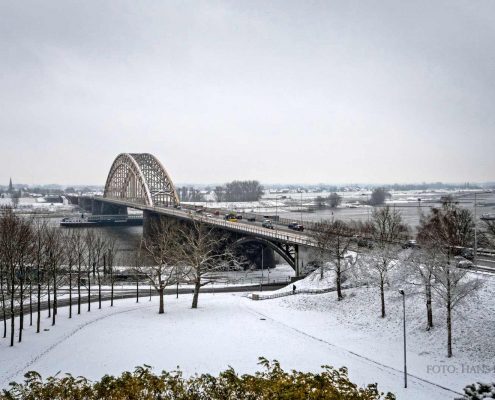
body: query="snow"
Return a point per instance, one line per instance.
(302, 332)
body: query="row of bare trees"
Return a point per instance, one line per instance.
(39, 263)
(434, 265)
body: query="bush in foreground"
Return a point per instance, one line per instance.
(480, 391)
(271, 383)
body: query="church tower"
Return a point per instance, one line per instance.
(11, 189)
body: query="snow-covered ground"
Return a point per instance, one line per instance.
(302, 332)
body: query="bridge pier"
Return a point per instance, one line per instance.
(150, 219)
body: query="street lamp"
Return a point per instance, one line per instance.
(404, 319)
(301, 208)
(262, 262)
(276, 208)
(475, 255)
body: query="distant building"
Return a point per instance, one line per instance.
(11, 188)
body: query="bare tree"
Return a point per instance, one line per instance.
(55, 249)
(15, 239)
(378, 196)
(90, 240)
(108, 264)
(321, 238)
(203, 251)
(445, 229)
(39, 252)
(137, 261)
(453, 286)
(70, 254)
(99, 247)
(335, 239)
(162, 247)
(79, 247)
(419, 268)
(24, 244)
(3, 290)
(489, 235)
(387, 229)
(334, 200)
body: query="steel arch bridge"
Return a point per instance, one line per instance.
(140, 178)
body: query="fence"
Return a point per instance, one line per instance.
(257, 296)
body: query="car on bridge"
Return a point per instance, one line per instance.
(267, 224)
(295, 226)
(231, 217)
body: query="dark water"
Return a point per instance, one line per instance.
(127, 238)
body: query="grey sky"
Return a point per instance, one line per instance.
(306, 91)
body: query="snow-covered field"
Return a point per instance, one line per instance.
(302, 332)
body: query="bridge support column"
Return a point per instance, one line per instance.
(149, 219)
(298, 268)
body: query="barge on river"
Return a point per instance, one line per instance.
(83, 221)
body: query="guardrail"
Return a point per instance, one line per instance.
(257, 296)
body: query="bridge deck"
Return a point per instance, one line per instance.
(288, 237)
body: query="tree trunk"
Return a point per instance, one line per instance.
(111, 289)
(38, 305)
(70, 291)
(449, 319)
(30, 300)
(161, 311)
(339, 281)
(429, 311)
(89, 290)
(54, 295)
(197, 286)
(99, 289)
(4, 313)
(21, 307)
(79, 291)
(382, 296)
(12, 320)
(49, 301)
(137, 290)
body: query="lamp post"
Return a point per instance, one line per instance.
(404, 320)
(177, 282)
(262, 262)
(475, 250)
(301, 208)
(276, 208)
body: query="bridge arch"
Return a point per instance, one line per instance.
(284, 253)
(140, 178)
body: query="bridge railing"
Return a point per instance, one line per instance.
(262, 232)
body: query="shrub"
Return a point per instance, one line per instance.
(270, 383)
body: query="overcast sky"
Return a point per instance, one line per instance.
(279, 91)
